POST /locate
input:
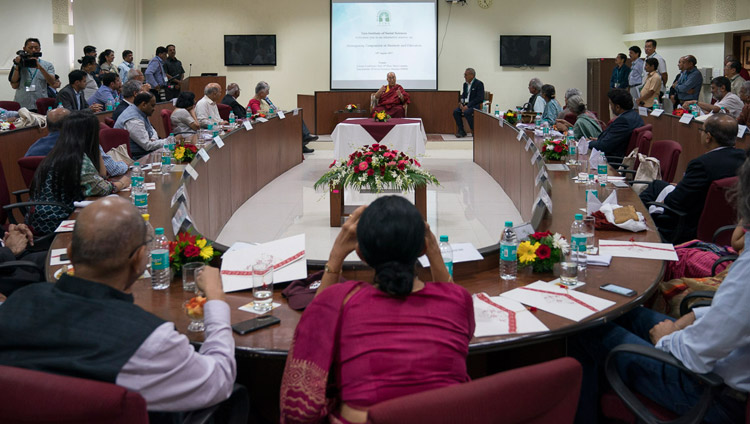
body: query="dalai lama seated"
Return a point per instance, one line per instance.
(391, 98)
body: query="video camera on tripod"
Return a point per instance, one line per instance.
(28, 60)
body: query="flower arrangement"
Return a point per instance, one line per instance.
(511, 117)
(376, 168)
(190, 248)
(351, 107)
(542, 251)
(7, 126)
(185, 152)
(679, 112)
(258, 115)
(381, 116)
(555, 149)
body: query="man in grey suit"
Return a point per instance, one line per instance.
(72, 97)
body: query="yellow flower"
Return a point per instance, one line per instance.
(179, 153)
(201, 243)
(207, 252)
(381, 115)
(527, 252)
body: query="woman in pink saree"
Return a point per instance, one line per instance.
(358, 344)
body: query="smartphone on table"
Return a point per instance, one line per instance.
(613, 288)
(254, 324)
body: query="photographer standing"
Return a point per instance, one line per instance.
(30, 75)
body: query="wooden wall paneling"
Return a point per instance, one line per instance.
(13, 146)
(199, 192)
(196, 85)
(436, 110)
(220, 179)
(243, 166)
(307, 103)
(598, 72)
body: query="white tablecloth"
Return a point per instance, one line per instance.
(407, 138)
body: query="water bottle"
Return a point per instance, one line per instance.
(215, 131)
(497, 111)
(722, 110)
(3, 117)
(136, 177)
(578, 242)
(60, 106)
(602, 169)
(137, 190)
(519, 114)
(150, 235)
(545, 131)
(161, 275)
(572, 147)
(603, 191)
(49, 109)
(694, 110)
(656, 104)
(538, 120)
(109, 105)
(508, 252)
(591, 188)
(166, 155)
(447, 252)
(232, 118)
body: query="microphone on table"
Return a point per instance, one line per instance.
(190, 72)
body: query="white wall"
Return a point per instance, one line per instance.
(106, 25)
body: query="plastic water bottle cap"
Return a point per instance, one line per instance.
(508, 224)
(136, 164)
(159, 231)
(146, 216)
(579, 217)
(171, 134)
(443, 239)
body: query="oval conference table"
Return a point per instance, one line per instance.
(250, 159)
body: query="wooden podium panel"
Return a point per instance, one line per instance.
(197, 84)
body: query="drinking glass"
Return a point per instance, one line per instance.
(589, 223)
(189, 272)
(194, 310)
(569, 271)
(263, 283)
(583, 171)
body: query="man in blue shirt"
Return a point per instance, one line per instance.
(108, 92)
(620, 74)
(613, 141)
(635, 78)
(155, 74)
(126, 65)
(55, 119)
(688, 83)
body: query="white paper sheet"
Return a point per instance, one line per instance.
(741, 130)
(686, 118)
(288, 257)
(557, 167)
(55, 257)
(492, 314)
(261, 119)
(638, 249)
(462, 252)
(248, 125)
(642, 111)
(566, 303)
(66, 226)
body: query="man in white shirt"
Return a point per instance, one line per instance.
(536, 102)
(206, 110)
(721, 90)
(126, 65)
(732, 71)
(650, 49)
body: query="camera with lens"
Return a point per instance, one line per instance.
(28, 59)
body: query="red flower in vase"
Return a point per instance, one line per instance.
(192, 251)
(558, 148)
(370, 172)
(543, 252)
(540, 235)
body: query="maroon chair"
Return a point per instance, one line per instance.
(103, 126)
(28, 165)
(38, 397)
(644, 145)
(44, 103)
(541, 393)
(166, 119)
(634, 137)
(718, 211)
(224, 111)
(10, 105)
(109, 122)
(110, 138)
(668, 152)
(571, 117)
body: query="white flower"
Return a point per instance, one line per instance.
(559, 242)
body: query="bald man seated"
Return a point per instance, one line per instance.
(88, 326)
(42, 146)
(206, 110)
(391, 98)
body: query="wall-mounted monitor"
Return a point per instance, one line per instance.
(525, 50)
(250, 50)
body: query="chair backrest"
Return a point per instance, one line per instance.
(28, 165)
(10, 105)
(634, 137)
(542, 393)
(110, 138)
(38, 397)
(4, 196)
(43, 103)
(103, 126)
(571, 117)
(644, 145)
(718, 211)
(668, 152)
(109, 122)
(488, 98)
(166, 119)
(224, 111)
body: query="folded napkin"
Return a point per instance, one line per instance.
(598, 260)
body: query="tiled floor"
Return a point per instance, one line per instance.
(468, 205)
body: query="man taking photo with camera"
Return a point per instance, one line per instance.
(30, 75)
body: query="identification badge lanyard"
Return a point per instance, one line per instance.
(31, 77)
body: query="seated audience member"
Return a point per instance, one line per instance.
(137, 75)
(721, 90)
(708, 339)
(744, 118)
(108, 92)
(143, 136)
(586, 124)
(650, 91)
(72, 96)
(129, 90)
(568, 94)
(472, 97)
(552, 107)
(126, 65)
(348, 326)
(536, 102)
(233, 93)
(72, 171)
(261, 103)
(613, 141)
(183, 118)
(110, 251)
(54, 88)
(391, 98)
(621, 73)
(88, 65)
(689, 195)
(687, 86)
(206, 110)
(55, 119)
(732, 71)
(16, 244)
(743, 72)
(106, 62)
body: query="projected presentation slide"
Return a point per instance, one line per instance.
(370, 39)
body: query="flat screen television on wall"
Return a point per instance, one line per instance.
(250, 50)
(525, 50)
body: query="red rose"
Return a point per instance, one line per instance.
(370, 172)
(543, 251)
(544, 147)
(558, 148)
(401, 166)
(539, 235)
(192, 251)
(359, 154)
(416, 163)
(375, 146)
(383, 147)
(368, 160)
(332, 163)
